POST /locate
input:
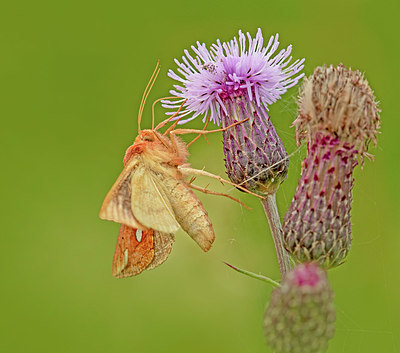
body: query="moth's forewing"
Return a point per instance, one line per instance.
(150, 204)
(117, 204)
(189, 212)
(163, 243)
(134, 251)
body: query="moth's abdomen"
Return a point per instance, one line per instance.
(190, 213)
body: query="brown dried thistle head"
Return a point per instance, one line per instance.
(338, 101)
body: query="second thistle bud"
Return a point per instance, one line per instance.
(338, 116)
(300, 316)
(317, 226)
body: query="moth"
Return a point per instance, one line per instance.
(151, 198)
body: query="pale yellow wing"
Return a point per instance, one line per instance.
(117, 204)
(189, 212)
(150, 204)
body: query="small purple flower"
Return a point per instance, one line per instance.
(230, 70)
(234, 81)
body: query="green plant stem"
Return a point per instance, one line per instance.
(253, 275)
(271, 211)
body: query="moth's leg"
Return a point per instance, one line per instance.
(152, 111)
(172, 135)
(173, 143)
(192, 179)
(192, 171)
(158, 135)
(166, 121)
(173, 138)
(163, 123)
(206, 191)
(173, 126)
(203, 132)
(199, 135)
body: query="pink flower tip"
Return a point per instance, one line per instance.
(306, 275)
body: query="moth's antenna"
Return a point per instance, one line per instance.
(147, 91)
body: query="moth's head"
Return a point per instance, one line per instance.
(146, 136)
(151, 139)
(147, 140)
(142, 141)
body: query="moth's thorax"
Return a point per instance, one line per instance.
(157, 148)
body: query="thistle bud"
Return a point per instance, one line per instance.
(338, 116)
(234, 81)
(300, 316)
(255, 156)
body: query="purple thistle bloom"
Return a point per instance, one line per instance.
(234, 81)
(229, 70)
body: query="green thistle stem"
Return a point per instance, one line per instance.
(271, 211)
(253, 275)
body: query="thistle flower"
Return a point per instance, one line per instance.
(233, 81)
(338, 116)
(300, 316)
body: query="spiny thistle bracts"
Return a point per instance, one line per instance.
(338, 116)
(233, 81)
(340, 102)
(300, 316)
(255, 156)
(317, 226)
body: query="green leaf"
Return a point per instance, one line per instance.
(253, 275)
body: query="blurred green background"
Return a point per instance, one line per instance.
(72, 76)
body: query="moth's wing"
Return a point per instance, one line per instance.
(117, 204)
(150, 204)
(163, 243)
(190, 213)
(134, 251)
